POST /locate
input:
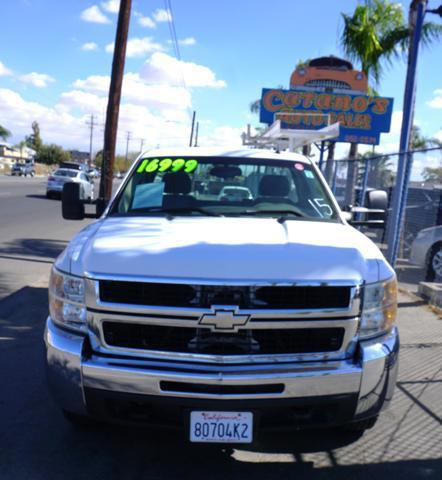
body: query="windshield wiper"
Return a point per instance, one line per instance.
(175, 210)
(284, 213)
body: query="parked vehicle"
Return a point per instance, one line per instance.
(94, 173)
(57, 179)
(226, 317)
(423, 210)
(235, 194)
(74, 166)
(23, 169)
(426, 251)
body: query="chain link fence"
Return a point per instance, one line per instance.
(420, 251)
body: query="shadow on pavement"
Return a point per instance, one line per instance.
(33, 247)
(39, 197)
(36, 442)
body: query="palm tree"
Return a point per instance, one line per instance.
(377, 33)
(374, 35)
(418, 141)
(4, 133)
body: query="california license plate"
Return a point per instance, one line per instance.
(223, 427)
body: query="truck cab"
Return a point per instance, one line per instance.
(222, 315)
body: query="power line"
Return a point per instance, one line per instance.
(176, 46)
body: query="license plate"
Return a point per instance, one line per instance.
(223, 427)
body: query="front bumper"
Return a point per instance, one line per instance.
(81, 381)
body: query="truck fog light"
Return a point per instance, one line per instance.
(66, 301)
(379, 308)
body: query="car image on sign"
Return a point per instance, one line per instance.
(222, 427)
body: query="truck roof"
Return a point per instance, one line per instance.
(225, 152)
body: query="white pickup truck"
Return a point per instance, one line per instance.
(223, 315)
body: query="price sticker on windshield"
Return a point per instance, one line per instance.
(150, 165)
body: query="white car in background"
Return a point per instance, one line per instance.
(57, 179)
(235, 194)
(426, 251)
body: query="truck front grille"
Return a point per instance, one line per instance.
(206, 342)
(204, 296)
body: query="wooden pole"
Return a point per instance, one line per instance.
(113, 105)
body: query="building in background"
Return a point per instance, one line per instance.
(79, 157)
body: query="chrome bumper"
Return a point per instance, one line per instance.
(371, 375)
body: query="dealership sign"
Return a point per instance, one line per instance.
(361, 118)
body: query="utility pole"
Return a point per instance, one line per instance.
(141, 145)
(192, 128)
(113, 105)
(196, 134)
(128, 136)
(91, 124)
(405, 161)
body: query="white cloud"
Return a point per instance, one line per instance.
(136, 90)
(39, 80)
(84, 102)
(164, 69)
(56, 126)
(436, 102)
(146, 22)
(187, 41)
(94, 14)
(4, 71)
(161, 15)
(111, 6)
(137, 47)
(89, 46)
(98, 84)
(225, 136)
(438, 135)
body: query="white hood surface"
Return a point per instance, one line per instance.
(204, 249)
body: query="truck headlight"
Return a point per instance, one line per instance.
(66, 301)
(379, 308)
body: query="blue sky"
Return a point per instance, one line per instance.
(55, 60)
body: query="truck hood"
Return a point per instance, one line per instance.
(201, 249)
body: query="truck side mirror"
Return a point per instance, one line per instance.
(72, 207)
(377, 200)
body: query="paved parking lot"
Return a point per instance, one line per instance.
(36, 442)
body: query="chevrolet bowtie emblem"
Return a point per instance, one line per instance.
(224, 318)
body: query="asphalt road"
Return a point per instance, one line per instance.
(37, 443)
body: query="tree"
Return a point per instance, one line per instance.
(52, 154)
(432, 175)
(418, 141)
(4, 133)
(377, 33)
(21, 146)
(34, 140)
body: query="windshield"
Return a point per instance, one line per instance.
(65, 173)
(224, 186)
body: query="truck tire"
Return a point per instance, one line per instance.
(361, 425)
(434, 263)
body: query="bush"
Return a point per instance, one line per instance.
(52, 154)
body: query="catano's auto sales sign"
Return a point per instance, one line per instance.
(362, 118)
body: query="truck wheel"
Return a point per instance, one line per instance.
(434, 264)
(77, 420)
(361, 425)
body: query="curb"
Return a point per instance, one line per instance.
(432, 292)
